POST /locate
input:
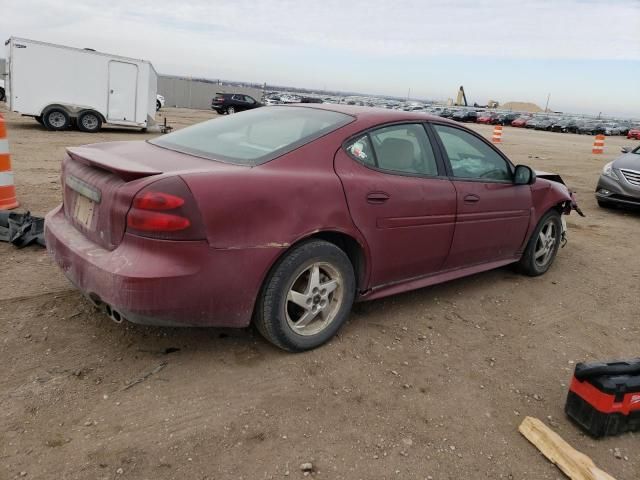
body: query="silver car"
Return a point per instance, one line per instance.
(619, 183)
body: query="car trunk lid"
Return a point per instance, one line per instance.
(100, 181)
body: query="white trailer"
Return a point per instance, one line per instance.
(63, 86)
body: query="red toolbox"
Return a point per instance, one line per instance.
(604, 398)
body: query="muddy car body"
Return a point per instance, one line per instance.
(168, 233)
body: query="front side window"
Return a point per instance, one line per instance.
(471, 158)
(255, 136)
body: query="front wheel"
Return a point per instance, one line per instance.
(307, 297)
(543, 245)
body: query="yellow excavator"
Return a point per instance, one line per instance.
(461, 98)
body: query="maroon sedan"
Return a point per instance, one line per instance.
(283, 216)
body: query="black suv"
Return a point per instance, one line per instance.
(233, 102)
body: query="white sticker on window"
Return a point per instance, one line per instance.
(357, 150)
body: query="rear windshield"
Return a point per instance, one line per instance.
(254, 137)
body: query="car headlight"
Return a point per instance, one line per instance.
(608, 171)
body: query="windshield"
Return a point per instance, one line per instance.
(255, 136)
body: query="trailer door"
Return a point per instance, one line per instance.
(123, 87)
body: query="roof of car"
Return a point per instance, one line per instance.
(372, 114)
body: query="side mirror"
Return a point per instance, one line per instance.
(523, 175)
(625, 150)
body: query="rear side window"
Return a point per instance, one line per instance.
(255, 136)
(471, 158)
(360, 149)
(404, 149)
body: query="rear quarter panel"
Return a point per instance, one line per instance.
(274, 205)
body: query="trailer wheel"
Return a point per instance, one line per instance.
(56, 119)
(89, 121)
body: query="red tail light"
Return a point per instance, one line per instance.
(146, 221)
(157, 201)
(166, 210)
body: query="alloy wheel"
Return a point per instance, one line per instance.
(314, 298)
(546, 243)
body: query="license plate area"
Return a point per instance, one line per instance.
(83, 211)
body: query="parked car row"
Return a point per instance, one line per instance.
(538, 121)
(543, 122)
(573, 125)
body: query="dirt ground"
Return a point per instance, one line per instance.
(430, 384)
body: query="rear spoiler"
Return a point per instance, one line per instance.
(122, 167)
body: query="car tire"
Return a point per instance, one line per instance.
(2, 95)
(39, 120)
(230, 110)
(56, 119)
(542, 249)
(314, 283)
(158, 105)
(89, 121)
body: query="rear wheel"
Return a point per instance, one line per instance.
(543, 245)
(231, 110)
(89, 121)
(158, 105)
(307, 297)
(56, 119)
(2, 95)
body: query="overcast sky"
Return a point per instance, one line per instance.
(585, 53)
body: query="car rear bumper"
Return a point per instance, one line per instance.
(157, 282)
(610, 191)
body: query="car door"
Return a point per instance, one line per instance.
(492, 212)
(400, 199)
(238, 102)
(250, 102)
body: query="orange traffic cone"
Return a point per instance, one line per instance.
(7, 188)
(497, 134)
(598, 145)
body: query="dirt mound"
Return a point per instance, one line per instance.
(521, 107)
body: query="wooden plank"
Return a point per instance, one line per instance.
(574, 464)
